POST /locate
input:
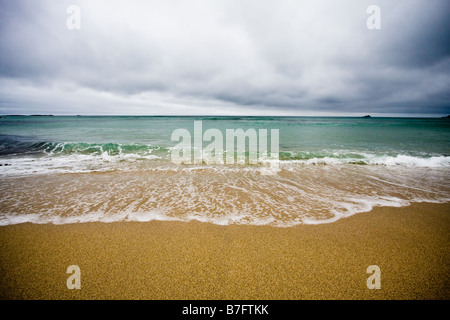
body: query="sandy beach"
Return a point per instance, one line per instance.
(224, 151)
(194, 260)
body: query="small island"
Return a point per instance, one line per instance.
(366, 116)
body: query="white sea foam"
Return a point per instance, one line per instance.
(10, 219)
(371, 159)
(73, 163)
(223, 220)
(409, 161)
(234, 194)
(79, 163)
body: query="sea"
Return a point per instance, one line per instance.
(76, 169)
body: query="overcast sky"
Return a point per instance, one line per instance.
(240, 57)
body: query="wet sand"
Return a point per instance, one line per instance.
(194, 260)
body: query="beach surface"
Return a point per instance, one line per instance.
(197, 260)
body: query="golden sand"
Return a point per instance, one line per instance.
(179, 260)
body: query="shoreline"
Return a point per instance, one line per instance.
(202, 261)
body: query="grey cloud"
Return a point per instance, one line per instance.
(280, 56)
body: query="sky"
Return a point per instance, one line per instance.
(225, 57)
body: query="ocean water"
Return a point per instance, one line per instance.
(69, 169)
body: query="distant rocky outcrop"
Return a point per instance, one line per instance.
(367, 116)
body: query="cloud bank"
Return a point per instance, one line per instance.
(225, 57)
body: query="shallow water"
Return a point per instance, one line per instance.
(79, 169)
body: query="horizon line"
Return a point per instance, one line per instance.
(231, 115)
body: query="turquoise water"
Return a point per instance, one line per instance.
(301, 138)
(81, 169)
